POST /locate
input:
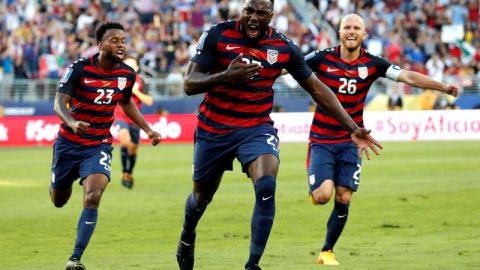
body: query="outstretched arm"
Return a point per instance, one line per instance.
(132, 112)
(419, 80)
(325, 98)
(199, 81)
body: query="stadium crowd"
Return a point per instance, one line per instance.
(39, 38)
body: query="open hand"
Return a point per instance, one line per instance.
(241, 72)
(361, 137)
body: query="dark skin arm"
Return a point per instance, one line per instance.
(132, 112)
(326, 99)
(60, 108)
(197, 81)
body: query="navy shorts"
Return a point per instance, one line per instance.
(338, 162)
(214, 154)
(133, 129)
(72, 161)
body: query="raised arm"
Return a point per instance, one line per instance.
(419, 80)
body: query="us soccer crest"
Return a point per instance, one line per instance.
(122, 82)
(362, 72)
(272, 56)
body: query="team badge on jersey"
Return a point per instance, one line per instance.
(122, 82)
(272, 56)
(362, 72)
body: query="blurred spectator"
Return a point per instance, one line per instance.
(395, 99)
(38, 39)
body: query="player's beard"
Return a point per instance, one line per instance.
(113, 57)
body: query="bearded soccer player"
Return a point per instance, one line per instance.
(236, 64)
(86, 98)
(128, 131)
(333, 162)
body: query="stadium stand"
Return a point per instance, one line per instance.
(38, 39)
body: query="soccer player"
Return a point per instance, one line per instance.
(128, 131)
(86, 98)
(236, 64)
(333, 162)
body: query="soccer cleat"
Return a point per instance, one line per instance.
(186, 255)
(127, 183)
(327, 257)
(74, 264)
(256, 267)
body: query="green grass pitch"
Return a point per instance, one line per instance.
(417, 208)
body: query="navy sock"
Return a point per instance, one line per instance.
(335, 225)
(262, 218)
(193, 213)
(85, 228)
(124, 157)
(131, 163)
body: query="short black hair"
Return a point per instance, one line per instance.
(105, 27)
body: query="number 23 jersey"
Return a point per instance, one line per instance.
(94, 95)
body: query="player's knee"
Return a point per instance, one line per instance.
(92, 199)
(343, 198)
(202, 200)
(318, 197)
(265, 187)
(59, 203)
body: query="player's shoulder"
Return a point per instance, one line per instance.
(224, 25)
(276, 34)
(319, 54)
(122, 65)
(79, 63)
(375, 58)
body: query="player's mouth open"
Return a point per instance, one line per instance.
(120, 53)
(253, 30)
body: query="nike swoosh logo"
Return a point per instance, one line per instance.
(266, 198)
(232, 48)
(88, 81)
(342, 216)
(329, 69)
(89, 222)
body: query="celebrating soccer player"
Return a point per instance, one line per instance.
(236, 64)
(86, 99)
(128, 131)
(333, 161)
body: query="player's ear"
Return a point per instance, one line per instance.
(365, 36)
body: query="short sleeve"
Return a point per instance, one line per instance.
(382, 66)
(127, 92)
(71, 76)
(296, 65)
(313, 59)
(207, 48)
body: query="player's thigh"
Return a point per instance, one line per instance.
(349, 168)
(97, 159)
(258, 151)
(212, 156)
(65, 164)
(320, 165)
